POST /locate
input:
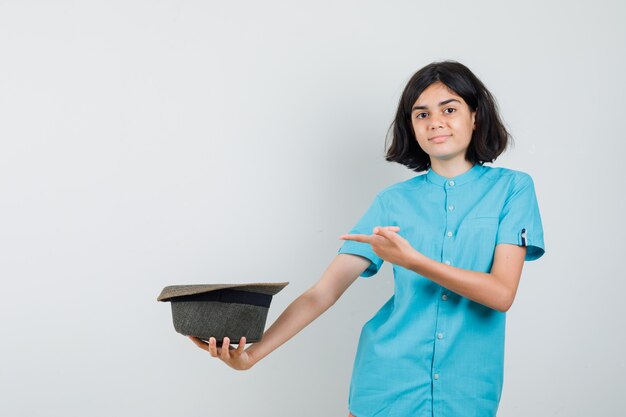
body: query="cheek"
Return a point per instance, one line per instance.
(465, 126)
(417, 130)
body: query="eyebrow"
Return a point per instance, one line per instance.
(443, 103)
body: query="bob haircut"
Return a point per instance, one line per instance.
(489, 139)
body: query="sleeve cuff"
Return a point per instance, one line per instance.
(534, 244)
(364, 250)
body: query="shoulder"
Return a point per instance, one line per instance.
(515, 179)
(402, 188)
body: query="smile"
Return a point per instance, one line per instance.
(438, 139)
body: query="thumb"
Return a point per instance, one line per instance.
(389, 228)
(386, 231)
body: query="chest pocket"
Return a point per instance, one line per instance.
(482, 221)
(478, 234)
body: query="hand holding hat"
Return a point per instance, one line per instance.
(237, 358)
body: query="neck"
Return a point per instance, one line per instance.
(450, 168)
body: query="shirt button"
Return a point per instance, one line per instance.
(444, 297)
(449, 234)
(447, 262)
(439, 336)
(450, 207)
(436, 376)
(451, 183)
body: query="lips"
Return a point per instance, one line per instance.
(438, 139)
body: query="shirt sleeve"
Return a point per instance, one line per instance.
(374, 216)
(520, 221)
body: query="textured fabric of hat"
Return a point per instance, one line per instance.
(221, 310)
(173, 291)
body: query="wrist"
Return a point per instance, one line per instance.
(415, 261)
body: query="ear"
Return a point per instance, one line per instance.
(474, 120)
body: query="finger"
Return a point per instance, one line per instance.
(241, 347)
(225, 349)
(357, 238)
(213, 347)
(384, 232)
(389, 228)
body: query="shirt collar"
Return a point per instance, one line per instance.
(473, 173)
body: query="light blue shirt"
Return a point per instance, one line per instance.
(429, 351)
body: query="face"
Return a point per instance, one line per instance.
(443, 124)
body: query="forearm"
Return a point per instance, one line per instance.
(339, 275)
(481, 287)
(302, 311)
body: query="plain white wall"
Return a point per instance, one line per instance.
(150, 143)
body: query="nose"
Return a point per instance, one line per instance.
(436, 122)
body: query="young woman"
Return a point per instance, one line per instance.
(457, 237)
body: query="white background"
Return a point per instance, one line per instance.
(151, 143)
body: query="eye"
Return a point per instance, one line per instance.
(421, 115)
(449, 110)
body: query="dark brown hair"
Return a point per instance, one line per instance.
(489, 139)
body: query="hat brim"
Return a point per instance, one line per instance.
(174, 291)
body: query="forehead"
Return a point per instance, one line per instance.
(434, 94)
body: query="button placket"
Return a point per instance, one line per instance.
(450, 210)
(447, 253)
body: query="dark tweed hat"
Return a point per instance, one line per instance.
(221, 310)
